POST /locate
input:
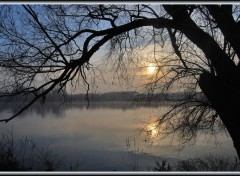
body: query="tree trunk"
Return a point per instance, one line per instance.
(225, 98)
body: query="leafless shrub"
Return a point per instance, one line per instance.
(22, 154)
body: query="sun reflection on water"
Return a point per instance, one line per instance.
(151, 132)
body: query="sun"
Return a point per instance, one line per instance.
(151, 69)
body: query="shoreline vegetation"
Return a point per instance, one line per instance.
(54, 96)
(112, 100)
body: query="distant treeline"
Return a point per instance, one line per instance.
(54, 96)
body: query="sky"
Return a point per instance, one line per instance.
(107, 76)
(112, 80)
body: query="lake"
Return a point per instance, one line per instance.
(106, 136)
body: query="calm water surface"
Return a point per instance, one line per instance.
(106, 136)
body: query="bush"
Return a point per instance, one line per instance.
(208, 163)
(21, 154)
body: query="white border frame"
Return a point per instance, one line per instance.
(117, 172)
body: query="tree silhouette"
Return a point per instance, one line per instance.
(44, 47)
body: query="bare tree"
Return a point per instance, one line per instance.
(44, 47)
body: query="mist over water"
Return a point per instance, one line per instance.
(106, 136)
